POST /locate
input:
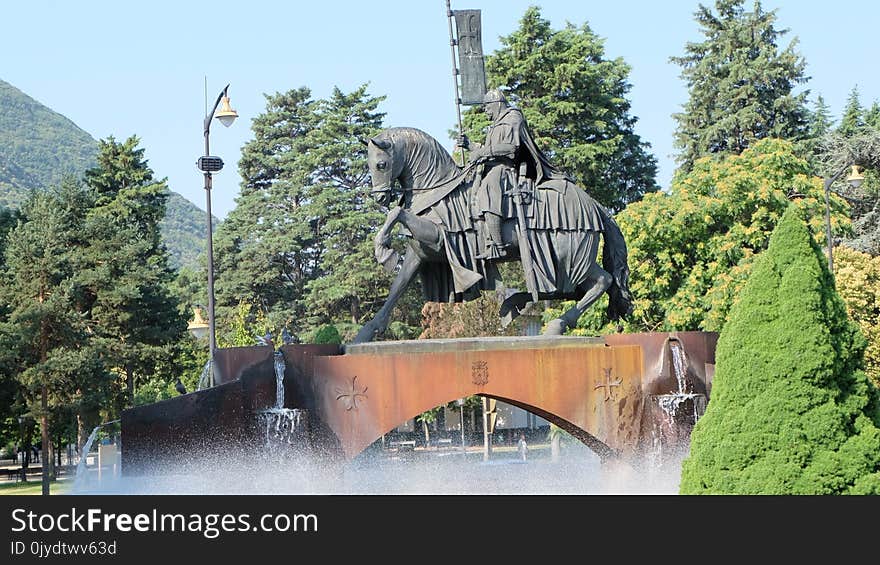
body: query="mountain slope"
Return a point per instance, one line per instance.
(38, 146)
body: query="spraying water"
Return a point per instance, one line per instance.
(285, 465)
(81, 466)
(285, 428)
(670, 403)
(279, 379)
(205, 380)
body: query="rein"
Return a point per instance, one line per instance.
(464, 171)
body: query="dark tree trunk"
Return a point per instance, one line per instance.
(45, 456)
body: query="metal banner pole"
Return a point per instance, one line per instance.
(452, 44)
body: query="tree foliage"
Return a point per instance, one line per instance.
(124, 274)
(741, 84)
(298, 245)
(574, 100)
(835, 154)
(791, 411)
(690, 251)
(44, 337)
(857, 276)
(853, 118)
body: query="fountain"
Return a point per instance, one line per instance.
(286, 428)
(679, 409)
(205, 380)
(79, 477)
(296, 419)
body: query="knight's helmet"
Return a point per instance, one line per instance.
(494, 95)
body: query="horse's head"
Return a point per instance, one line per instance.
(384, 167)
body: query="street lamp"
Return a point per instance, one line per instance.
(855, 180)
(198, 327)
(209, 164)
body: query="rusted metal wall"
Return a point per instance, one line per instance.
(612, 393)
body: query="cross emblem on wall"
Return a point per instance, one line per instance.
(608, 384)
(350, 396)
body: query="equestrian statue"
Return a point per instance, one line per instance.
(509, 203)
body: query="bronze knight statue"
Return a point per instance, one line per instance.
(509, 143)
(508, 203)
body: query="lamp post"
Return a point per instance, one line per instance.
(209, 164)
(460, 403)
(855, 180)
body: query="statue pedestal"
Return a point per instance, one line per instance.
(626, 396)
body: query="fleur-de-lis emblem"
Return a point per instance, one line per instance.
(350, 397)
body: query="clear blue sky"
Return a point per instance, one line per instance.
(122, 68)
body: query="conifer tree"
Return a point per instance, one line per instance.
(853, 119)
(125, 277)
(348, 282)
(265, 248)
(791, 410)
(821, 121)
(872, 116)
(296, 251)
(41, 333)
(741, 84)
(574, 100)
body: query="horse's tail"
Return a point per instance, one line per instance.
(614, 260)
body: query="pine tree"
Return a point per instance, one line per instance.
(297, 248)
(872, 116)
(125, 277)
(853, 119)
(348, 283)
(42, 334)
(265, 248)
(740, 84)
(821, 121)
(574, 100)
(791, 411)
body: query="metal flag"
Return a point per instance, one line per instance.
(470, 56)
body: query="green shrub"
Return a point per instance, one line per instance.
(327, 334)
(791, 410)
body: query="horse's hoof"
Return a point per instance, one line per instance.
(388, 258)
(556, 327)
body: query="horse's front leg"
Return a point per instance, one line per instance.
(377, 325)
(385, 254)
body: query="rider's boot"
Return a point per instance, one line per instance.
(495, 246)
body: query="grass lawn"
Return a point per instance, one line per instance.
(34, 487)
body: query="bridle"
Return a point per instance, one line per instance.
(388, 188)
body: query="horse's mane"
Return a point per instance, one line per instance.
(430, 163)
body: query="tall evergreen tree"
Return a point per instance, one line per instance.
(574, 100)
(872, 116)
(740, 84)
(125, 275)
(348, 281)
(41, 336)
(265, 249)
(296, 250)
(792, 411)
(821, 121)
(853, 119)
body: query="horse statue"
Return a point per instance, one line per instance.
(554, 232)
